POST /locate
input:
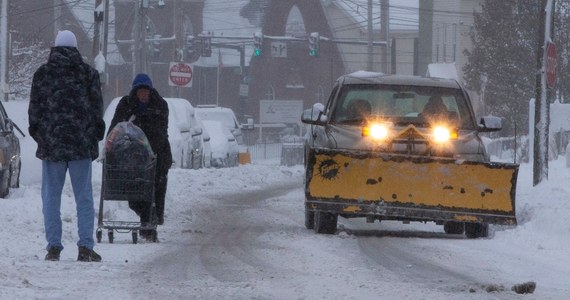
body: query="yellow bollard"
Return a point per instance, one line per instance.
(244, 158)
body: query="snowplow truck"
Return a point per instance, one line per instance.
(404, 148)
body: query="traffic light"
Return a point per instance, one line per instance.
(155, 47)
(314, 44)
(206, 50)
(257, 43)
(192, 45)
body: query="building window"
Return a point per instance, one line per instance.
(444, 46)
(295, 25)
(437, 43)
(454, 42)
(294, 78)
(270, 94)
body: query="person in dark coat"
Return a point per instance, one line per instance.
(66, 121)
(150, 112)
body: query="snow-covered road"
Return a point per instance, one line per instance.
(252, 244)
(238, 233)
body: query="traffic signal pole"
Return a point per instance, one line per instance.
(260, 37)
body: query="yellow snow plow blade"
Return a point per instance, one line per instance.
(423, 188)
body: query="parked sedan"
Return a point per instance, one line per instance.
(10, 159)
(223, 115)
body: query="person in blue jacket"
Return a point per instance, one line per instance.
(150, 112)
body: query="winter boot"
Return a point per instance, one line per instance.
(53, 254)
(86, 254)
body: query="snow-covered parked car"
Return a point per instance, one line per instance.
(10, 159)
(226, 116)
(186, 134)
(223, 145)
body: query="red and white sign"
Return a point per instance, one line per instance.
(550, 64)
(180, 75)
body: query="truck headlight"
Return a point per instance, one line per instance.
(377, 131)
(442, 134)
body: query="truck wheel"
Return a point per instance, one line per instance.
(309, 219)
(476, 230)
(325, 222)
(453, 227)
(5, 184)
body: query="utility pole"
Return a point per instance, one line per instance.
(139, 53)
(98, 15)
(179, 48)
(541, 107)
(425, 38)
(4, 49)
(385, 31)
(178, 31)
(370, 38)
(106, 29)
(101, 17)
(56, 16)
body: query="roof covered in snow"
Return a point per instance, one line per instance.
(443, 70)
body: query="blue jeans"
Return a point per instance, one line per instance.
(53, 179)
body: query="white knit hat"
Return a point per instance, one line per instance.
(65, 38)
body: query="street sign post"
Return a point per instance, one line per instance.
(180, 75)
(550, 64)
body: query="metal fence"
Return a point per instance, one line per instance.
(265, 151)
(288, 154)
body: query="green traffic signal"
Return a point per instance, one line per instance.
(314, 44)
(257, 52)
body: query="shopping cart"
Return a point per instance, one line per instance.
(125, 182)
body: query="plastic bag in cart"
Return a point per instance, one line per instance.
(127, 144)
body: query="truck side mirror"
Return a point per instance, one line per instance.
(490, 124)
(314, 115)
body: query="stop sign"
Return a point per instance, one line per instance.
(550, 64)
(180, 75)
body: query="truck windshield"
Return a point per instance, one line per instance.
(401, 104)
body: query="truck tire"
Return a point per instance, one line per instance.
(325, 222)
(453, 227)
(309, 219)
(476, 230)
(5, 183)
